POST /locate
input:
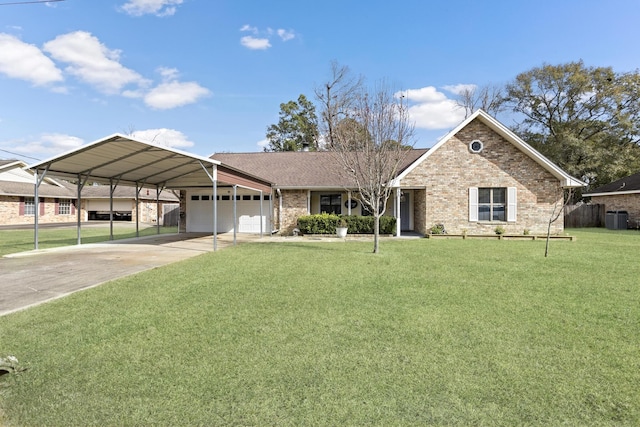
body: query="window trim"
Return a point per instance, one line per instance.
(472, 143)
(510, 205)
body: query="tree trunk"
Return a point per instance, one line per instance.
(376, 234)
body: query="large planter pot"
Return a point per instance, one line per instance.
(341, 231)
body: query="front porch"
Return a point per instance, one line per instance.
(404, 205)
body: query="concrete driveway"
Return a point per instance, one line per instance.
(31, 278)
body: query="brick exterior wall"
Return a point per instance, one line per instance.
(622, 202)
(10, 212)
(294, 205)
(448, 173)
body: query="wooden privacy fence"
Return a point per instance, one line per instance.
(576, 216)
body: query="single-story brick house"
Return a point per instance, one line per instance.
(480, 175)
(620, 195)
(58, 199)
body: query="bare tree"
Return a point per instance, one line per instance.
(488, 98)
(558, 210)
(370, 134)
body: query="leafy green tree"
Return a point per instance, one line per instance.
(585, 119)
(297, 127)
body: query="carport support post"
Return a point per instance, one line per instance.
(81, 184)
(138, 209)
(111, 189)
(235, 213)
(157, 210)
(215, 209)
(36, 210)
(261, 215)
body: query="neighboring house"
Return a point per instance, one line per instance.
(58, 199)
(477, 177)
(620, 195)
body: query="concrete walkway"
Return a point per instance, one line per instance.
(33, 277)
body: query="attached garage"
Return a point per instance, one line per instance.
(250, 217)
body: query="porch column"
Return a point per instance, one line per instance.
(349, 202)
(397, 212)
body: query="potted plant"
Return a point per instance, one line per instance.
(341, 228)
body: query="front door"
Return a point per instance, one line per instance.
(405, 217)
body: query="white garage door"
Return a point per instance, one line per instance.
(200, 213)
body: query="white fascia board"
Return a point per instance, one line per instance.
(612, 193)
(567, 180)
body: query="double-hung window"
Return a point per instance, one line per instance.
(497, 204)
(29, 206)
(491, 204)
(64, 207)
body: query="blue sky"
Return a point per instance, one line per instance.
(209, 76)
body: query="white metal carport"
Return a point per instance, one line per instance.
(123, 160)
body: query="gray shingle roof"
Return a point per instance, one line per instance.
(303, 169)
(626, 184)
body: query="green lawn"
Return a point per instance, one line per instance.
(12, 241)
(428, 332)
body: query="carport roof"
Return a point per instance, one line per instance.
(129, 161)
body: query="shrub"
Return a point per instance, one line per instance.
(499, 230)
(326, 224)
(437, 229)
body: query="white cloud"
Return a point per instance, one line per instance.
(174, 94)
(151, 7)
(286, 35)
(249, 28)
(460, 88)
(92, 62)
(432, 109)
(26, 62)
(167, 137)
(262, 144)
(254, 43)
(261, 40)
(45, 145)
